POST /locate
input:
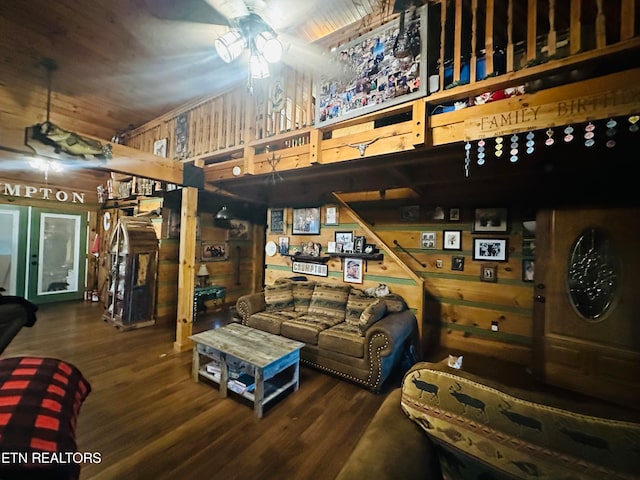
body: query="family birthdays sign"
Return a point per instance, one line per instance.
(40, 193)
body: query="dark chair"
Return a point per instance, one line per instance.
(15, 313)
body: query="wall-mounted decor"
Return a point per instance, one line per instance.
(344, 241)
(358, 244)
(457, 263)
(306, 221)
(528, 270)
(489, 273)
(410, 213)
(271, 248)
(352, 270)
(490, 220)
(331, 215)
(428, 240)
(182, 135)
(494, 249)
(283, 245)
(375, 71)
(214, 251)
(160, 147)
(454, 214)
(438, 213)
(452, 240)
(239, 230)
(317, 269)
(277, 220)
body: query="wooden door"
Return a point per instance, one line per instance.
(587, 308)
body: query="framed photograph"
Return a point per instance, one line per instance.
(494, 249)
(352, 270)
(457, 263)
(277, 220)
(528, 270)
(160, 147)
(452, 240)
(489, 273)
(283, 245)
(239, 230)
(410, 213)
(490, 220)
(343, 239)
(428, 240)
(438, 213)
(306, 221)
(366, 75)
(331, 215)
(454, 214)
(213, 251)
(358, 244)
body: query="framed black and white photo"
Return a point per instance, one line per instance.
(344, 241)
(214, 251)
(352, 270)
(488, 273)
(454, 214)
(277, 220)
(283, 245)
(452, 240)
(528, 270)
(457, 263)
(494, 249)
(410, 213)
(239, 230)
(331, 215)
(358, 244)
(160, 147)
(428, 240)
(306, 221)
(438, 213)
(490, 220)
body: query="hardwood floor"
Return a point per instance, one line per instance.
(149, 420)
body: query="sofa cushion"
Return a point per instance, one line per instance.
(342, 338)
(307, 327)
(371, 315)
(330, 300)
(485, 429)
(356, 303)
(279, 297)
(395, 303)
(302, 292)
(270, 321)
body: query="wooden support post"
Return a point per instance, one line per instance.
(186, 269)
(443, 23)
(510, 47)
(627, 19)
(601, 34)
(532, 31)
(574, 27)
(474, 41)
(551, 38)
(457, 42)
(488, 37)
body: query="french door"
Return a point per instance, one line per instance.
(13, 248)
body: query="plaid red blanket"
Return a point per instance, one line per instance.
(40, 399)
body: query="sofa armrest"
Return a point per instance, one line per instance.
(392, 447)
(396, 327)
(249, 304)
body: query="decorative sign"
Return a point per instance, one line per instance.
(277, 222)
(317, 269)
(182, 135)
(42, 193)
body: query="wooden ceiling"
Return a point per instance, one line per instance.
(125, 62)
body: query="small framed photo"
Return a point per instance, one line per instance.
(494, 249)
(490, 220)
(352, 270)
(331, 215)
(214, 251)
(454, 214)
(489, 273)
(410, 213)
(343, 239)
(358, 244)
(160, 147)
(528, 270)
(283, 245)
(306, 221)
(452, 240)
(239, 230)
(438, 213)
(277, 220)
(428, 240)
(457, 263)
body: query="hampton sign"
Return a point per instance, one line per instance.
(41, 193)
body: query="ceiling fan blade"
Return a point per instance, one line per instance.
(186, 10)
(229, 8)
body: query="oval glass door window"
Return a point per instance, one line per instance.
(593, 274)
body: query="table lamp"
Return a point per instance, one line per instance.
(203, 275)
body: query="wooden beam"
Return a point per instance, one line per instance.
(627, 19)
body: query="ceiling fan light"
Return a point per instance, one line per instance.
(230, 45)
(259, 66)
(269, 46)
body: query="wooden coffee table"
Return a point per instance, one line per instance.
(274, 360)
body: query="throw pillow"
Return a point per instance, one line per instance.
(279, 297)
(356, 304)
(330, 300)
(302, 292)
(371, 315)
(395, 303)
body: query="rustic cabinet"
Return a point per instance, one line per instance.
(133, 261)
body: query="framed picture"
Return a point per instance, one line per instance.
(283, 245)
(213, 251)
(239, 230)
(343, 240)
(410, 213)
(358, 244)
(528, 270)
(352, 270)
(428, 240)
(490, 220)
(366, 75)
(160, 147)
(438, 213)
(454, 214)
(306, 221)
(494, 249)
(452, 239)
(489, 273)
(331, 215)
(277, 220)
(457, 263)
